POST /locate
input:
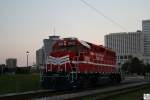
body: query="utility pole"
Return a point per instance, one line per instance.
(54, 31)
(27, 53)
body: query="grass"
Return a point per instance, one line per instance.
(19, 83)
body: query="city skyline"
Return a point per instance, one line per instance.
(24, 24)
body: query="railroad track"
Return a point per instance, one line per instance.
(110, 91)
(108, 94)
(76, 94)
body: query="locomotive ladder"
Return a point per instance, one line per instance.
(74, 71)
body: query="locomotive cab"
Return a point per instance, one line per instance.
(59, 68)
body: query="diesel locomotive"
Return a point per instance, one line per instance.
(74, 63)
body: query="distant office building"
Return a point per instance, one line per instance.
(146, 36)
(40, 57)
(42, 53)
(126, 45)
(136, 44)
(2, 68)
(11, 64)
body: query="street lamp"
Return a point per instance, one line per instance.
(27, 57)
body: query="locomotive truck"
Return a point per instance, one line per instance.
(76, 63)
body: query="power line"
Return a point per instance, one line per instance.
(102, 14)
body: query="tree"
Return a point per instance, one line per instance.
(147, 68)
(125, 67)
(134, 66)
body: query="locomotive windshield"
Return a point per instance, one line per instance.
(66, 46)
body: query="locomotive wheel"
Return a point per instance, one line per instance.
(84, 81)
(115, 78)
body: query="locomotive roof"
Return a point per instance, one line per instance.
(86, 44)
(100, 46)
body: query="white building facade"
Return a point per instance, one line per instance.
(126, 45)
(136, 44)
(146, 43)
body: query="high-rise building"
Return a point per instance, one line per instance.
(133, 43)
(126, 45)
(146, 43)
(146, 33)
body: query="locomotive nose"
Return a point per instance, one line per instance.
(58, 60)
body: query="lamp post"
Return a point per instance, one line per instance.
(27, 57)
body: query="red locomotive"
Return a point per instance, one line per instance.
(75, 63)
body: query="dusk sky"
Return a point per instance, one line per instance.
(25, 23)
